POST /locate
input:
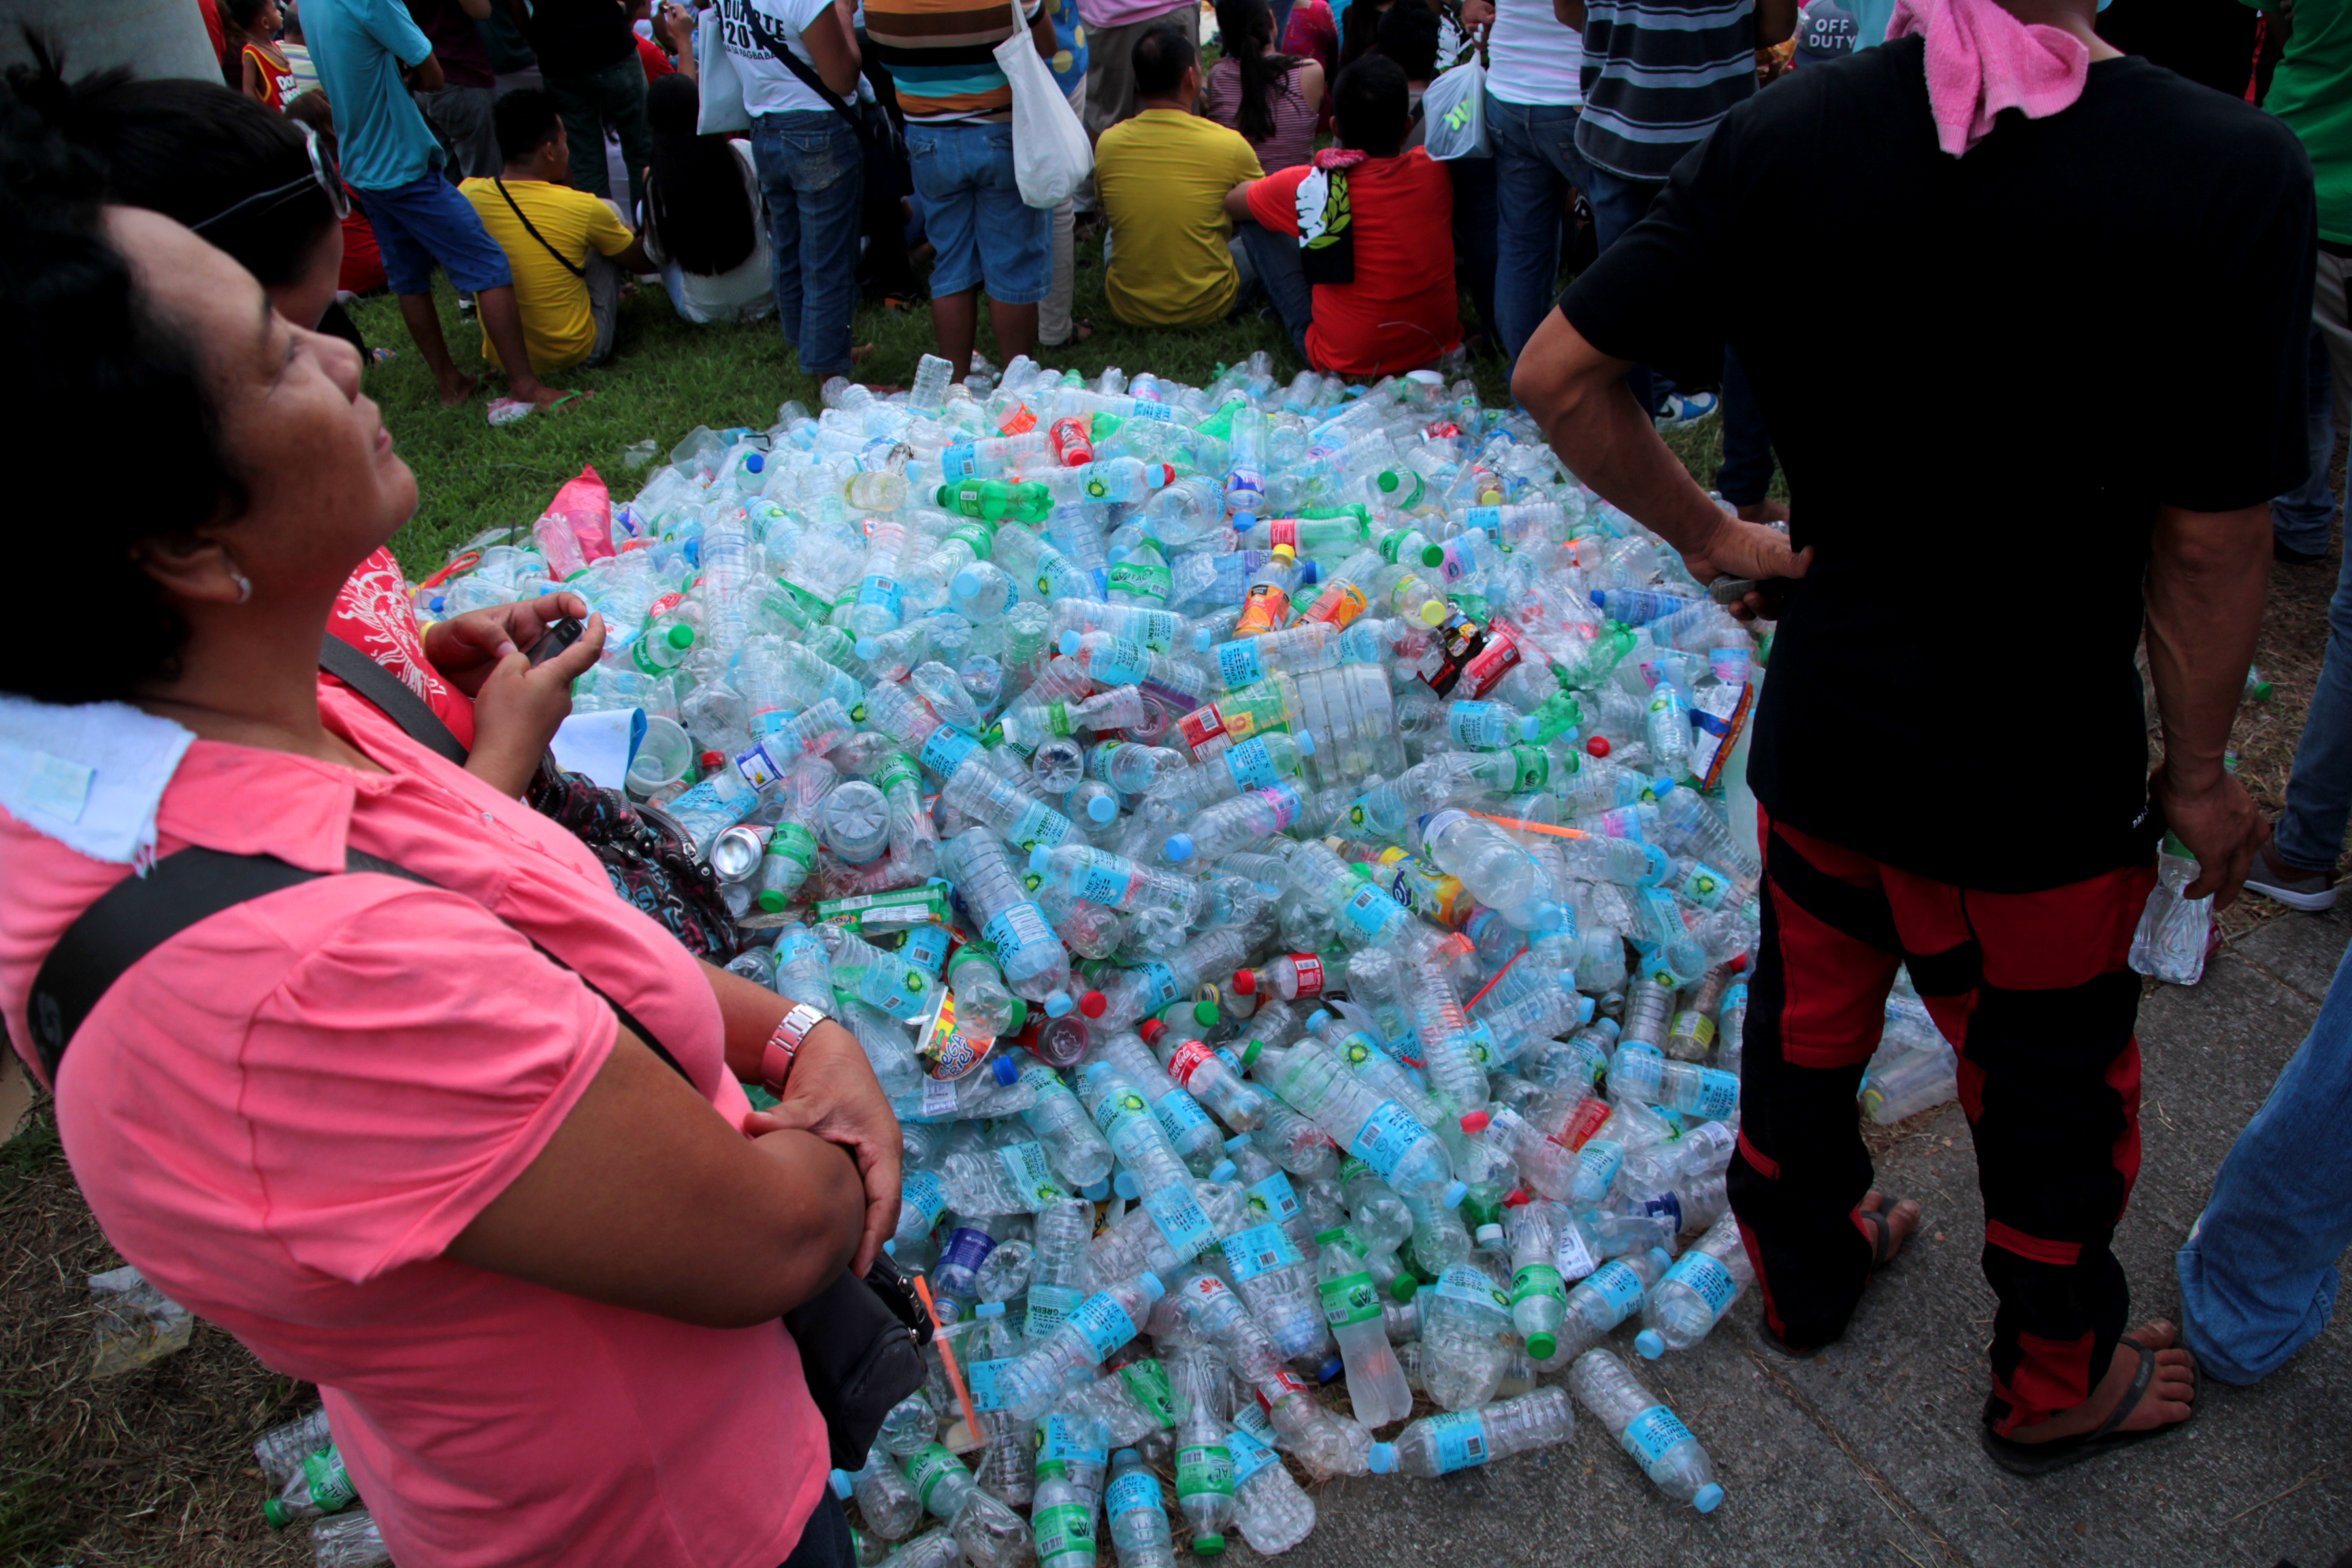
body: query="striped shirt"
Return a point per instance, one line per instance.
(1658, 74)
(941, 54)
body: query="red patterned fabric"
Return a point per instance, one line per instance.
(375, 614)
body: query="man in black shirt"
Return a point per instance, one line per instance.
(588, 58)
(1950, 752)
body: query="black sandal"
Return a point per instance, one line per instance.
(2040, 1458)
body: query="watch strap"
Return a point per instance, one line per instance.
(776, 1056)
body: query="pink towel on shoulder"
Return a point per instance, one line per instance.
(1981, 59)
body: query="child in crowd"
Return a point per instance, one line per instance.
(267, 75)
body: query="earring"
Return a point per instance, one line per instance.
(243, 584)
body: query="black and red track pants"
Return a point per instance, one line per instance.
(2033, 991)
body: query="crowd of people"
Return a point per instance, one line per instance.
(444, 1144)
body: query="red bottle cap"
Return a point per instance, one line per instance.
(1476, 1121)
(1245, 982)
(1094, 1003)
(1598, 746)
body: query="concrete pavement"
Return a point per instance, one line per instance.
(1868, 1458)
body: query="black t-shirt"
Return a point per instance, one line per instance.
(573, 38)
(1982, 376)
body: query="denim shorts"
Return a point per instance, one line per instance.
(427, 221)
(974, 215)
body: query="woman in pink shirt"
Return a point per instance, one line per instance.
(394, 1134)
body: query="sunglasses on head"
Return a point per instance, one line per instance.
(320, 177)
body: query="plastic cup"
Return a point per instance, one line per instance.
(663, 757)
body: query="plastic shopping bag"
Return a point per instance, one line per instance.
(1051, 155)
(1455, 110)
(722, 112)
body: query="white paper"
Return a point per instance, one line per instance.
(600, 744)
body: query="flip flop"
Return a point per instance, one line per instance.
(1883, 1251)
(2040, 1458)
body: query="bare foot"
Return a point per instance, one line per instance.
(1900, 1221)
(1764, 512)
(547, 397)
(453, 393)
(2165, 1401)
(859, 351)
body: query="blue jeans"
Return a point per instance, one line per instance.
(1746, 475)
(1537, 170)
(2258, 1273)
(983, 232)
(812, 173)
(2319, 792)
(1271, 263)
(1475, 236)
(2302, 519)
(1617, 204)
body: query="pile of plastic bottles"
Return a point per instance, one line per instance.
(1281, 848)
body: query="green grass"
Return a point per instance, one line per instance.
(670, 375)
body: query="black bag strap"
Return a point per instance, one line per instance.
(187, 888)
(801, 68)
(389, 692)
(560, 259)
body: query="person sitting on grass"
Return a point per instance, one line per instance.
(565, 247)
(1273, 99)
(1161, 177)
(702, 224)
(1356, 248)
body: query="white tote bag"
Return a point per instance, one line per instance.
(1453, 112)
(1051, 155)
(721, 112)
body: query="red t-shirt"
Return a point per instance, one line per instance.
(375, 614)
(1399, 314)
(362, 270)
(654, 59)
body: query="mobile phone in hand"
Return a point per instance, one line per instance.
(559, 635)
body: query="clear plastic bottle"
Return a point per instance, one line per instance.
(1063, 1274)
(1352, 1309)
(1063, 1520)
(1198, 1376)
(1466, 1336)
(1274, 1513)
(1138, 1514)
(1439, 1445)
(1087, 1335)
(1399, 1149)
(1638, 1074)
(1696, 1291)
(992, 1535)
(349, 1541)
(1032, 960)
(1538, 1298)
(884, 1498)
(1649, 1432)
(1074, 1145)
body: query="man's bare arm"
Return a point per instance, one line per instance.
(2207, 575)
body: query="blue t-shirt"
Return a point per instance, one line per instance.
(360, 47)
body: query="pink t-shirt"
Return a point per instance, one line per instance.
(285, 1115)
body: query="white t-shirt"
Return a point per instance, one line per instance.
(746, 291)
(1530, 57)
(769, 87)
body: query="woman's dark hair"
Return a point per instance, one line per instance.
(695, 199)
(1359, 28)
(1372, 104)
(192, 151)
(1408, 36)
(70, 306)
(1247, 27)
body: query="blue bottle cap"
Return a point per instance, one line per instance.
(989, 1309)
(1057, 1002)
(1306, 742)
(1237, 1143)
(1006, 1072)
(841, 1487)
(1651, 1344)
(1708, 1497)
(1243, 521)
(1550, 916)
(1150, 1284)
(1311, 571)
(1317, 1018)
(1201, 639)
(1069, 642)
(1528, 728)
(1124, 1184)
(1583, 1003)
(966, 584)
(1097, 1192)
(1331, 1370)
(1384, 1458)
(1095, 1070)
(1223, 1171)
(890, 1247)
(1180, 846)
(1040, 858)
(1454, 1195)
(1126, 1455)
(755, 462)
(1102, 808)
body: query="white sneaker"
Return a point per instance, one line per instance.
(1685, 409)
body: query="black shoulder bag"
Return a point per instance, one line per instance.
(860, 1341)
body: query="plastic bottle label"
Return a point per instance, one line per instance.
(1569, 1255)
(1693, 1026)
(1102, 1323)
(1718, 1094)
(1066, 1534)
(1273, 1199)
(330, 1484)
(1181, 1224)
(1706, 1275)
(946, 748)
(1063, 1439)
(1707, 886)
(1038, 825)
(923, 1192)
(793, 843)
(982, 1381)
(1534, 1280)
(1204, 733)
(967, 1249)
(759, 769)
(1032, 1178)
(1158, 984)
(1350, 1299)
(1464, 1283)
(1598, 1161)
(1116, 1110)
(1146, 1382)
(1387, 1136)
(1121, 661)
(1251, 766)
(1048, 1305)
(928, 1468)
(960, 461)
(1650, 1436)
(1204, 1469)
(1467, 723)
(1306, 975)
(1238, 663)
(1016, 927)
(1178, 1114)
(1187, 1059)
(939, 1095)
(1616, 1283)
(1533, 765)
(1491, 663)
(1250, 1456)
(1259, 1250)
(1134, 1491)
(1461, 1439)
(883, 590)
(1369, 910)
(1100, 883)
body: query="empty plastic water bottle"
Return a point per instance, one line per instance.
(1696, 1293)
(1651, 1434)
(1459, 1439)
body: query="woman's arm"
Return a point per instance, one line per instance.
(833, 46)
(645, 1198)
(1310, 83)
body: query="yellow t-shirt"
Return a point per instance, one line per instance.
(558, 330)
(1162, 177)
